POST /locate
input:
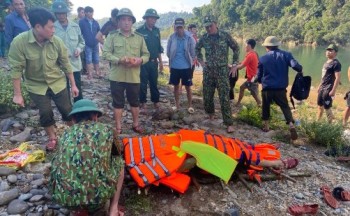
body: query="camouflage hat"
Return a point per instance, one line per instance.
(85, 105)
(208, 20)
(150, 13)
(332, 47)
(59, 7)
(126, 12)
(271, 41)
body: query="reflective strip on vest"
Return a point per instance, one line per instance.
(133, 165)
(153, 156)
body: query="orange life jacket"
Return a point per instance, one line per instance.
(239, 150)
(150, 159)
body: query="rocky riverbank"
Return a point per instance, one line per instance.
(26, 192)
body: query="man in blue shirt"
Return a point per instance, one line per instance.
(16, 22)
(273, 76)
(89, 28)
(180, 51)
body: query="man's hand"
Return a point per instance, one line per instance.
(332, 93)
(75, 91)
(233, 70)
(77, 53)
(18, 99)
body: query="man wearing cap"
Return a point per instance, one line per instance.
(215, 68)
(180, 51)
(110, 25)
(127, 51)
(250, 62)
(88, 168)
(43, 60)
(330, 81)
(149, 71)
(71, 35)
(273, 76)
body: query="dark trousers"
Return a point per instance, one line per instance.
(280, 98)
(77, 78)
(149, 75)
(233, 81)
(43, 103)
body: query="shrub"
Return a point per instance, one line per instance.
(6, 93)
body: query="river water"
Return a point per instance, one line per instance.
(311, 58)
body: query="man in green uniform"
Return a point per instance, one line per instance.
(149, 71)
(43, 58)
(71, 35)
(215, 68)
(127, 51)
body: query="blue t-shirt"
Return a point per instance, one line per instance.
(180, 61)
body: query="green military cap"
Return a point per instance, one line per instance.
(271, 41)
(150, 13)
(126, 12)
(208, 20)
(332, 47)
(59, 7)
(85, 105)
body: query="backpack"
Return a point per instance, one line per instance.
(301, 88)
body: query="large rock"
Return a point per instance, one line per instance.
(17, 207)
(5, 171)
(6, 124)
(22, 115)
(43, 168)
(8, 196)
(23, 136)
(163, 114)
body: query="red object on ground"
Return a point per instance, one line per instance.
(290, 163)
(329, 198)
(303, 209)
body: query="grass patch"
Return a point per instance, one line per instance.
(137, 204)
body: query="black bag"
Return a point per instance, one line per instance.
(301, 88)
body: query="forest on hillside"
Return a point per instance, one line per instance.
(315, 22)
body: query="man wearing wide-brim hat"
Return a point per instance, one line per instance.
(273, 76)
(149, 71)
(216, 44)
(88, 157)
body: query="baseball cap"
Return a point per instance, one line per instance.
(332, 47)
(179, 22)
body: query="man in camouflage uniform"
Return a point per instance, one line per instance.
(149, 71)
(215, 68)
(88, 168)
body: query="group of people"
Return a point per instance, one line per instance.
(46, 53)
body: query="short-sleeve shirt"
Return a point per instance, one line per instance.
(152, 39)
(108, 27)
(251, 63)
(328, 73)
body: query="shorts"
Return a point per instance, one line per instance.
(252, 87)
(347, 98)
(180, 74)
(43, 102)
(132, 94)
(92, 55)
(323, 99)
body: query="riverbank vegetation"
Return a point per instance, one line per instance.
(316, 22)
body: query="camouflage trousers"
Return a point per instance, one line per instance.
(217, 78)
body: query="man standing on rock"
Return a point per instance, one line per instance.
(273, 76)
(127, 51)
(42, 57)
(330, 81)
(71, 35)
(215, 69)
(149, 70)
(180, 51)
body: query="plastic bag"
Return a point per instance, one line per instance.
(21, 156)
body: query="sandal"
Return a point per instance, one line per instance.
(190, 110)
(303, 209)
(138, 129)
(293, 133)
(328, 198)
(51, 144)
(290, 163)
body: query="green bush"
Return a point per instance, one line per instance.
(251, 114)
(6, 93)
(323, 133)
